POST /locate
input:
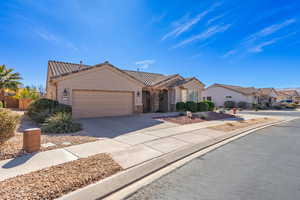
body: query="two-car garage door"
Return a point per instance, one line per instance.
(88, 103)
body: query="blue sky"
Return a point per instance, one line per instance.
(248, 43)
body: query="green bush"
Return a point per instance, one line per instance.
(60, 122)
(41, 109)
(191, 106)
(229, 104)
(1, 104)
(278, 107)
(9, 122)
(242, 104)
(202, 106)
(211, 105)
(180, 106)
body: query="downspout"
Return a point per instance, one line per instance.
(56, 92)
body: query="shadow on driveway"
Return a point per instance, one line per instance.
(111, 127)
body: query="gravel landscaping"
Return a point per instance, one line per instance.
(241, 124)
(197, 117)
(13, 147)
(53, 182)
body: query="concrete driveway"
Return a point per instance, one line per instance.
(110, 127)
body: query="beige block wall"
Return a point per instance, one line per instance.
(103, 78)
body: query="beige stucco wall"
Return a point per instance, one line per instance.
(102, 78)
(192, 85)
(219, 94)
(51, 91)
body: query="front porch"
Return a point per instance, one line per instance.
(159, 100)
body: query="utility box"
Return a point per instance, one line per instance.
(32, 140)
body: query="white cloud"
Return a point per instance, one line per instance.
(229, 53)
(210, 32)
(215, 18)
(256, 42)
(269, 30)
(259, 47)
(144, 64)
(187, 25)
(55, 39)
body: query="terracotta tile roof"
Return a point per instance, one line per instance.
(147, 78)
(292, 93)
(239, 89)
(266, 91)
(59, 69)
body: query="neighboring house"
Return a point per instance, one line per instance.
(267, 96)
(288, 95)
(219, 93)
(105, 90)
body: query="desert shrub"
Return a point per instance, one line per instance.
(180, 106)
(41, 109)
(229, 104)
(202, 106)
(242, 104)
(60, 122)
(8, 125)
(277, 106)
(211, 105)
(191, 106)
(1, 104)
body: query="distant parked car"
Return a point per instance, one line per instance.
(287, 101)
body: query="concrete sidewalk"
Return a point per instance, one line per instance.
(128, 150)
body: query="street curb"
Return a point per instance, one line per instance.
(110, 185)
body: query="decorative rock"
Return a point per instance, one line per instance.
(49, 144)
(189, 114)
(66, 143)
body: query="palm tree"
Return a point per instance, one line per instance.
(8, 80)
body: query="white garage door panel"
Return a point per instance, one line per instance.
(101, 103)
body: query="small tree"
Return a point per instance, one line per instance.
(180, 106)
(28, 93)
(202, 106)
(211, 105)
(191, 106)
(8, 80)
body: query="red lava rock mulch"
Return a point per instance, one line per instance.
(218, 116)
(182, 120)
(208, 116)
(53, 182)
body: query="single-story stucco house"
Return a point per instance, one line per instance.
(219, 93)
(105, 90)
(288, 95)
(267, 96)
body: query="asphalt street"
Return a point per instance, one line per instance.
(264, 165)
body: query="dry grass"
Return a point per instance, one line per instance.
(53, 182)
(231, 126)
